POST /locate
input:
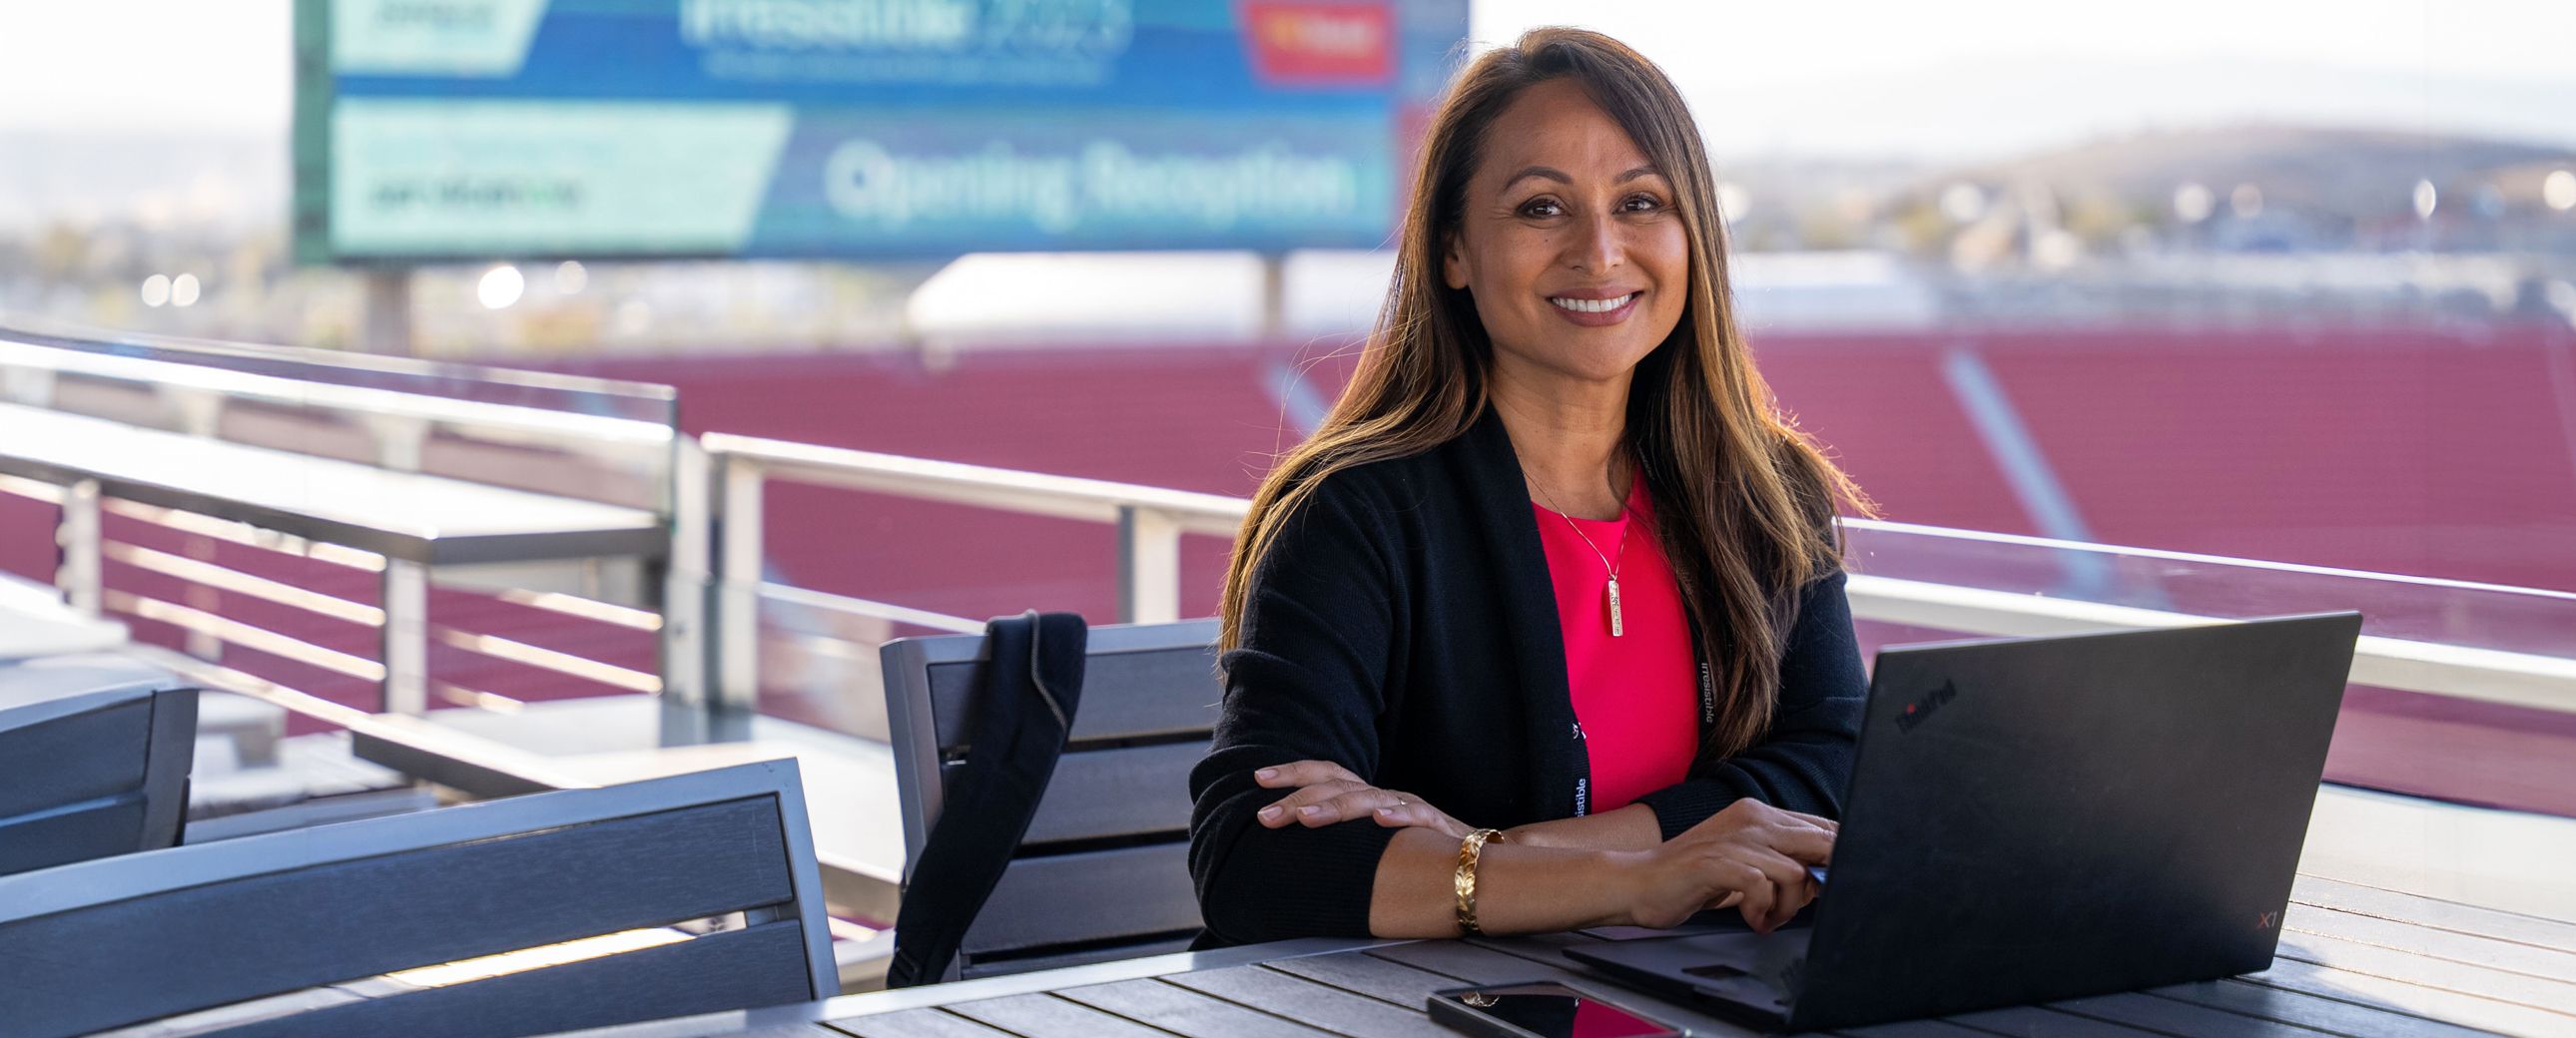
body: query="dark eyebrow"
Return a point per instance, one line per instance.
(1558, 175)
(1541, 172)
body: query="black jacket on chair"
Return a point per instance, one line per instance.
(1030, 692)
(1404, 626)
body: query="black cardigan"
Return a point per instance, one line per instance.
(1404, 626)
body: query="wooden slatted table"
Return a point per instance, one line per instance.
(2354, 961)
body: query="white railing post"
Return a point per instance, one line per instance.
(77, 572)
(406, 638)
(686, 578)
(399, 442)
(737, 580)
(1149, 566)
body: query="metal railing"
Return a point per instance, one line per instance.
(714, 494)
(1150, 521)
(391, 414)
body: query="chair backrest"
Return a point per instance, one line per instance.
(1103, 872)
(94, 758)
(294, 933)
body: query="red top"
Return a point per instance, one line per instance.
(1634, 695)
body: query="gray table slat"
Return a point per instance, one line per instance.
(1315, 1004)
(2355, 963)
(1046, 1016)
(2173, 1017)
(2159, 1019)
(916, 1023)
(1184, 1012)
(406, 514)
(2405, 997)
(1915, 1029)
(1477, 964)
(2044, 1022)
(772, 1022)
(2356, 957)
(1547, 950)
(1470, 963)
(2438, 943)
(644, 1030)
(2492, 923)
(1541, 952)
(1358, 972)
(2333, 1016)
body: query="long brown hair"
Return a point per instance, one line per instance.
(1743, 500)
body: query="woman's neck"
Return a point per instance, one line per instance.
(1568, 434)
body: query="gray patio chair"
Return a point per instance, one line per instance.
(94, 758)
(1103, 871)
(323, 931)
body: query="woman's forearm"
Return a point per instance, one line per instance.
(1519, 889)
(1630, 828)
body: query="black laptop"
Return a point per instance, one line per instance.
(2043, 818)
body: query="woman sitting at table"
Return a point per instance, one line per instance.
(1555, 564)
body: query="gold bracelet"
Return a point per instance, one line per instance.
(1470, 851)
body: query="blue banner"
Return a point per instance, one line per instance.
(483, 129)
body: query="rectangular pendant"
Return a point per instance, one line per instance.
(1617, 629)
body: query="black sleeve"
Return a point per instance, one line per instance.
(1805, 760)
(1306, 682)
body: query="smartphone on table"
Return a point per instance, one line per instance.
(1541, 1009)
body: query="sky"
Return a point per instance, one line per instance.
(1952, 79)
(1978, 78)
(2525, 39)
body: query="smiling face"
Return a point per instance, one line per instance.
(1569, 241)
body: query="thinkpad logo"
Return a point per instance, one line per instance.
(1921, 708)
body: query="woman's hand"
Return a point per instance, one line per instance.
(1751, 856)
(1326, 793)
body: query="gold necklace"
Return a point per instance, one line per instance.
(1618, 628)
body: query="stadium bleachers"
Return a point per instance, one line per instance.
(2408, 451)
(2417, 451)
